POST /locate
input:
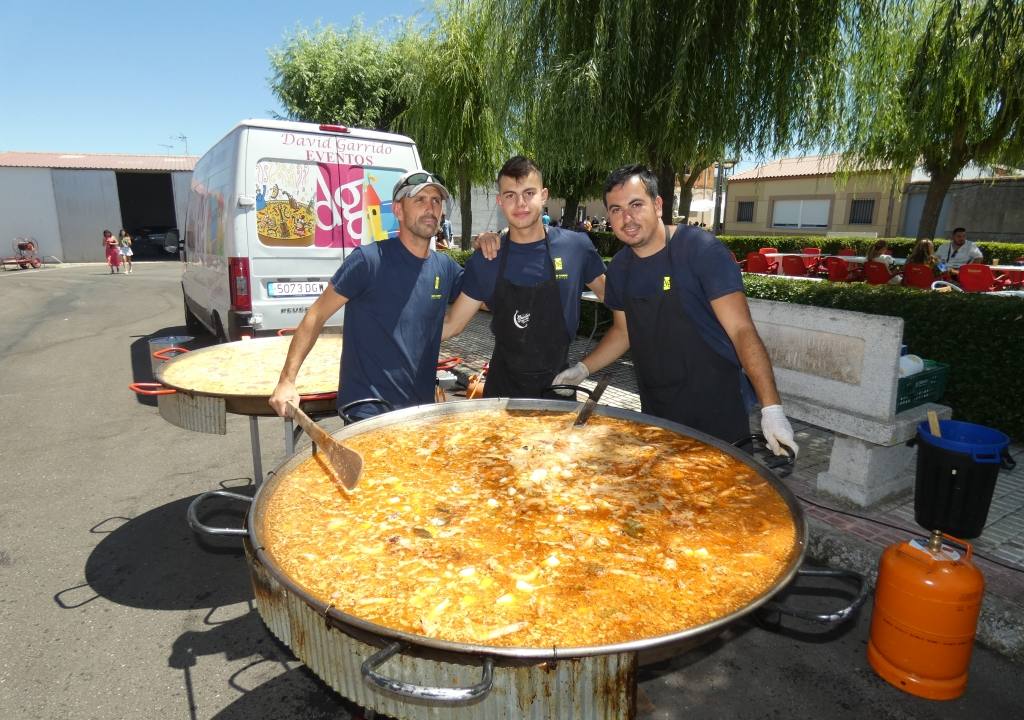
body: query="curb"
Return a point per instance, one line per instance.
(1000, 624)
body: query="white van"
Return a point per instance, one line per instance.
(274, 208)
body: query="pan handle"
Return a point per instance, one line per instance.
(164, 353)
(150, 388)
(193, 513)
(832, 618)
(343, 410)
(578, 388)
(782, 463)
(439, 695)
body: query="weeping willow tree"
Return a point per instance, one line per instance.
(544, 135)
(349, 76)
(940, 82)
(681, 83)
(453, 114)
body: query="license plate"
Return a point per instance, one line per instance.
(296, 289)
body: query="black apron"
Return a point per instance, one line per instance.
(531, 344)
(680, 377)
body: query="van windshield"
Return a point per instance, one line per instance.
(324, 205)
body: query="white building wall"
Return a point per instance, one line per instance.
(87, 204)
(27, 209)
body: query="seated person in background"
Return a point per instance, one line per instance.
(924, 254)
(959, 251)
(879, 252)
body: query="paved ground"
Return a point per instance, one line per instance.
(112, 608)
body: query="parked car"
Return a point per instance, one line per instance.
(155, 240)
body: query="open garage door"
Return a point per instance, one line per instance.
(147, 213)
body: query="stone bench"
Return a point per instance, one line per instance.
(838, 370)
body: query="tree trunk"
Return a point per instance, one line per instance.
(667, 191)
(686, 183)
(937, 188)
(572, 206)
(465, 211)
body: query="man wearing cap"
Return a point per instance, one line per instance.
(533, 287)
(396, 292)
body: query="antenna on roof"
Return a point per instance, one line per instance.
(167, 148)
(183, 138)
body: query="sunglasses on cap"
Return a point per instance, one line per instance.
(418, 178)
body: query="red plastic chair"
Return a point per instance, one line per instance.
(838, 269)
(847, 252)
(758, 264)
(975, 277)
(773, 263)
(741, 263)
(877, 273)
(918, 275)
(793, 266)
(813, 264)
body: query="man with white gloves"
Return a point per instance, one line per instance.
(677, 303)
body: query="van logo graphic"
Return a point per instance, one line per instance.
(521, 320)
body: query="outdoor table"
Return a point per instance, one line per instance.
(861, 259)
(591, 296)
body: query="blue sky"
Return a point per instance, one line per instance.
(131, 77)
(116, 76)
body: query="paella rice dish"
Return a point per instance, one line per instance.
(251, 368)
(509, 528)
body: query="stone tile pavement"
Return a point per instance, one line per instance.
(999, 551)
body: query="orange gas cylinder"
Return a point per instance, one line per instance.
(927, 601)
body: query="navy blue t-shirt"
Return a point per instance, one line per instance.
(575, 261)
(392, 333)
(703, 271)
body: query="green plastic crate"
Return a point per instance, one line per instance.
(929, 385)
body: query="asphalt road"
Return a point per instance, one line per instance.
(112, 608)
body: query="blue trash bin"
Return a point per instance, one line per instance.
(956, 476)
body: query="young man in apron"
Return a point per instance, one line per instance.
(677, 303)
(533, 288)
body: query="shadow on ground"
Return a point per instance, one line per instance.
(155, 561)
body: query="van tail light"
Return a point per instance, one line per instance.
(239, 284)
(334, 128)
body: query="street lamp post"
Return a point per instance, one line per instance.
(723, 167)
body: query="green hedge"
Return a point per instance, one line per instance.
(607, 245)
(900, 247)
(980, 337)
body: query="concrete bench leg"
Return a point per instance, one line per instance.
(864, 473)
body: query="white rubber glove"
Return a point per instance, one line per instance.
(777, 430)
(571, 376)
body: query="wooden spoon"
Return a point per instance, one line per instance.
(345, 465)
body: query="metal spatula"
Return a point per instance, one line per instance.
(588, 407)
(345, 465)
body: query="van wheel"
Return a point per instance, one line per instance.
(192, 323)
(218, 330)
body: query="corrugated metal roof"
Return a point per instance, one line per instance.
(92, 161)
